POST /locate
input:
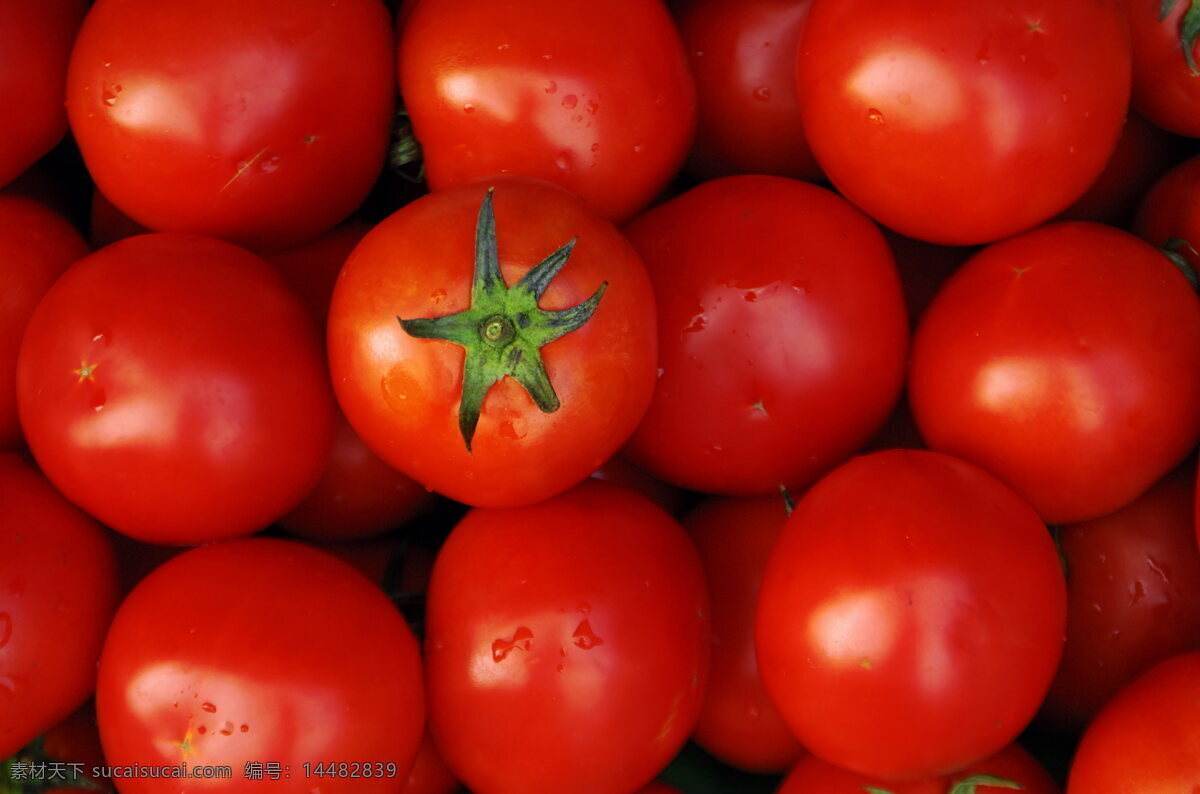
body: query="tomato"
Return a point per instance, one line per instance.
(910, 616)
(75, 743)
(1165, 88)
(174, 387)
(532, 407)
(738, 722)
(567, 643)
(596, 97)
(242, 119)
(1145, 739)
(58, 590)
(743, 56)
(963, 123)
(35, 41)
(782, 335)
(281, 654)
(36, 247)
(1063, 361)
(1168, 215)
(429, 774)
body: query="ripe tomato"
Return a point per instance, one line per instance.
(36, 247)
(35, 41)
(264, 122)
(911, 615)
(174, 387)
(596, 97)
(58, 590)
(510, 421)
(566, 645)
(1165, 85)
(1146, 738)
(963, 122)
(290, 657)
(1063, 361)
(1168, 216)
(782, 334)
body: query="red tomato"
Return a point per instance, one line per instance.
(1146, 738)
(264, 122)
(911, 615)
(36, 247)
(1168, 216)
(1165, 88)
(510, 421)
(1063, 361)
(58, 590)
(1133, 594)
(35, 41)
(566, 644)
(174, 387)
(963, 122)
(782, 335)
(738, 722)
(290, 656)
(429, 773)
(596, 97)
(743, 56)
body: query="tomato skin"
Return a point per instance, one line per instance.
(1170, 211)
(282, 636)
(910, 616)
(1164, 89)
(960, 123)
(1024, 363)
(566, 644)
(782, 335)
(608, 115)
(185, 365)
(58, 590)
(35, 42)
(36, 246)
(238, 119)
(402, 394)
(1145, 738)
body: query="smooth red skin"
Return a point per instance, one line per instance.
(776, 292)
(814, 776)
(738, 722)
(1063, 361)
(401, 394)
(58, 590)
(743, 57)
(269, 634)
(208, 414)
(1164, 89)
(595, 97)
(961, 123)
(35, 41)
(1146, 740)
(556, 715)
(1133, 594)
(239, 119)
(1170, 210)
(911, 615)
(429, 773)
(36, 246)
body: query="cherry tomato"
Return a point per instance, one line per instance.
(566, 644)
(1063, 361)
(240, 119)
(963, 123)
(174, 387)
(531, 407)
(596, 97)
(1165, 86)
(910, 616)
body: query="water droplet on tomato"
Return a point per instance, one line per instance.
(699, 323)
(570, 101)
(875, 116)
(99, 400)
(468, 108)
(563, 161)
(269, 165)
(551, 86)
(592, 107)
(244, 728)
(209, 707)
(438, 295)
(110, 94)
(227, 729)
(202, 730)
(583, 636)
(762, 93)
(522, 639)
(512, 429)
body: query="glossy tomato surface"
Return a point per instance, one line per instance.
(239, 119)
(566, 644)
(963, 123)
(403, 394)
(294, 659)
(1165, 85)
(1168, 215)
(911, 615)
(1063, 361)
(596, 97)
(782, 334)
(174, 387)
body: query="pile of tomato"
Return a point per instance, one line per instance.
(622, 397)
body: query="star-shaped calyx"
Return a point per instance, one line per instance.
(504, 329)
